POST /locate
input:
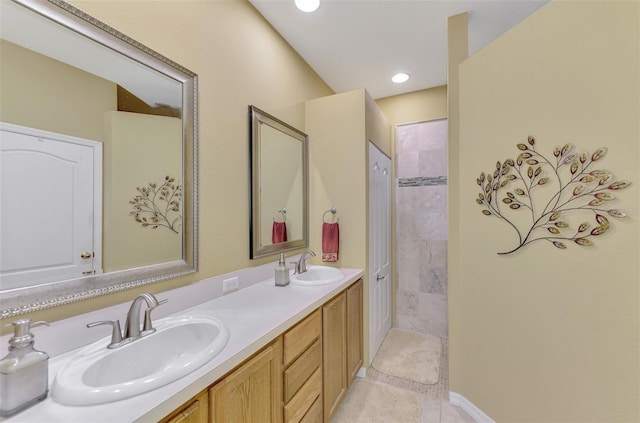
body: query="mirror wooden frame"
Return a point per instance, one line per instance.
(256, 117)
(29, 299)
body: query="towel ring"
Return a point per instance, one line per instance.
(283, 212)
(332, 210)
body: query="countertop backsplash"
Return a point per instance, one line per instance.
(69, 334)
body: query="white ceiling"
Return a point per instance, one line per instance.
(362, 43)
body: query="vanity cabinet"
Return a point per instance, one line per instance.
(195, 411)
(252, 392)
(342, 345)
(302, 376)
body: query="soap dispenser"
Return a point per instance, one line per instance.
(282, 272)
(24, 372)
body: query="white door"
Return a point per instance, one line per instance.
(379, 248)
(47, 200)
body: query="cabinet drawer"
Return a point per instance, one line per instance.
(298, 338)
(301, 369)
(297, 408)
(314, 415)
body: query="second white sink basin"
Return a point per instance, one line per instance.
(318, 275)
(98, 375)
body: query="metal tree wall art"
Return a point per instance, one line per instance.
(549, 191)
(158, 206)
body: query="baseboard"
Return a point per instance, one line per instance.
(362, 372)
(478, 415)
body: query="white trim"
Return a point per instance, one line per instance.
(476, 414)
(362, 373)
(379, 230)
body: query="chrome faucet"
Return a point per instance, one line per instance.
(301, 265)
(132, 329)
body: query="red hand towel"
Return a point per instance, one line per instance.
(279, 232)
(330, 242)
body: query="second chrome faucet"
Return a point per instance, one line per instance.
(301, 265)
(132, 329)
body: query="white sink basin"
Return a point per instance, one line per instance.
(181, 344)
(318, 275)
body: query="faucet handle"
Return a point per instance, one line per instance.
(116, 333)
(148, 328)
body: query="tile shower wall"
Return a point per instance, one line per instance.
(421, 227)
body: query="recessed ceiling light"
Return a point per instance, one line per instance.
(307, 5)
(399, 78)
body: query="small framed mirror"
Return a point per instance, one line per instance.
(279, 185)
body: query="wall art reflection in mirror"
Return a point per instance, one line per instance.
(88, 116)
(158, 206)
(279, 169)
(560, 199)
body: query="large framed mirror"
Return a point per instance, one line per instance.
(279, 185)
(99, 160)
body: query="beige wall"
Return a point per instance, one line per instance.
(337, 172)
(377, 128)
(340, 127)
(418, 106)
(46, 94)
(549, 335)
(240, 60)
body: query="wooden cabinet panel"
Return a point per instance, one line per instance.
(354, 330)
(314, 415)
(252, 392)
(197, 411)
(299, 405)
(334, 346)
(301, 370)
(298, 338)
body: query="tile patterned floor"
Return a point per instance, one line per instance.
(434, 398)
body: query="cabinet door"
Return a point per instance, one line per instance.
(334, 346)
(354, 330)
(196, 412)
(252, 392)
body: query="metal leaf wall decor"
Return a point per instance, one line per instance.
(569, 185)
(158, 206)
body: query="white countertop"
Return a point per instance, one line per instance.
(254, 316)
